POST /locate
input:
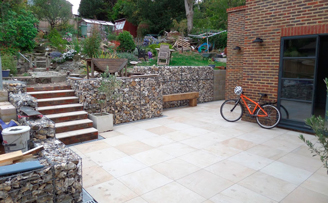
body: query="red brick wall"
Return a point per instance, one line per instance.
(269, 20)
(236, 29)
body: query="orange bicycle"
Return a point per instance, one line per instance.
(267, 115)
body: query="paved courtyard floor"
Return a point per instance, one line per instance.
(191, 154)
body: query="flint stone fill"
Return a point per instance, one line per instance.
(67, 170)
(19, 100)
(41, 128)
(183, 79)
(31, 186)
(139, 97)
(14, 86)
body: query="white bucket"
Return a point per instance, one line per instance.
(15, 138)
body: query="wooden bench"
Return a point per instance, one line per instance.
(191, 96)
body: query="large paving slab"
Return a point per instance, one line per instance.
(191, 154)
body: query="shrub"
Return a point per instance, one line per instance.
(76, 45)
(91, 45)
(129, 56)
(126, 42)
(319, 148)
(112, 37)
(56, 40)
(8, 62)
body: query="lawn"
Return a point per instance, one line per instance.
(185, 59)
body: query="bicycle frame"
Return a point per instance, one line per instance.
(243, 97)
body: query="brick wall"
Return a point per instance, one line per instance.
(236, 30)
(256, 67)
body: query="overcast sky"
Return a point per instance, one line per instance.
(76, 4)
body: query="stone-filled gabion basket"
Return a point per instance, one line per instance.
(180, 79)
(41, 128)
(32, 186)
(67, 170)
(19, 100)
(139, 97)
(14, 86)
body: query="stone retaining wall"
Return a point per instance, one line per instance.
(60, 180)
(180, 79)
(140, 97)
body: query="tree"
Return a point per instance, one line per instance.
(95, 9)
(17, 29)
(189, 6)
(53, 11)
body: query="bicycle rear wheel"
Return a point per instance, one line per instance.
(231, 110)
(270, 121)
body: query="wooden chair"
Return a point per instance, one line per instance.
(163, 57)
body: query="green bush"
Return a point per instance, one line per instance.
(17, 30)
(76, 45)
(129, 56)
(154, 46)
(56, 40)
(219, 41)
(8, 62)
(91, 45)
(126, 41)
(111, 36)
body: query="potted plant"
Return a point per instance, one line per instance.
(103, 121)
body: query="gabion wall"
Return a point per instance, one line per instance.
(60, 180)
(14, 86)
(139, 98)
(41, 128)
(180, 79)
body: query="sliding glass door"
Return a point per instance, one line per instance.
(297, 79)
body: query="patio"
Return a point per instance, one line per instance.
(191, 154)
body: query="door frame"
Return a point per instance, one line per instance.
(292, 124)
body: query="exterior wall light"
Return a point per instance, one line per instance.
(237, 48)
(258, 40)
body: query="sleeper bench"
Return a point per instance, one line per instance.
(191, 96)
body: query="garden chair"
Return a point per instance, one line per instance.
(163, 57)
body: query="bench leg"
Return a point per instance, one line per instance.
(192, 102)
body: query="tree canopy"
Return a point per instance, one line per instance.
(17, 29)
(53, 11)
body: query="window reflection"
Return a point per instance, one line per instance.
(298, 111)
(298, 68)
(300, 47)
(297, 89)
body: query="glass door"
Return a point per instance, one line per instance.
(297, 79)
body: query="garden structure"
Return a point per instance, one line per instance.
(282, 52)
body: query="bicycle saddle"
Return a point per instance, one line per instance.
(263, 95)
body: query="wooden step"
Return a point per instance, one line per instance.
(57, 101)
(76, 136)
(45, 110)
(52, 94)
(73, 125)
(40, 88)
(69, 116)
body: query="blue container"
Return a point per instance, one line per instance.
(5, 73)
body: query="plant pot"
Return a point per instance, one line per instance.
(102, 122)
(5, 73)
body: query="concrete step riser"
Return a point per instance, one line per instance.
(53, 95)
(37, 89)
(69, 118)
(59, 102)
(79, 138)
(73, 127)
(61, 110)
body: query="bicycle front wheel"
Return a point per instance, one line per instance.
(231, 110)
(270, 121)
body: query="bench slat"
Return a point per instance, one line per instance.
(180, 96)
